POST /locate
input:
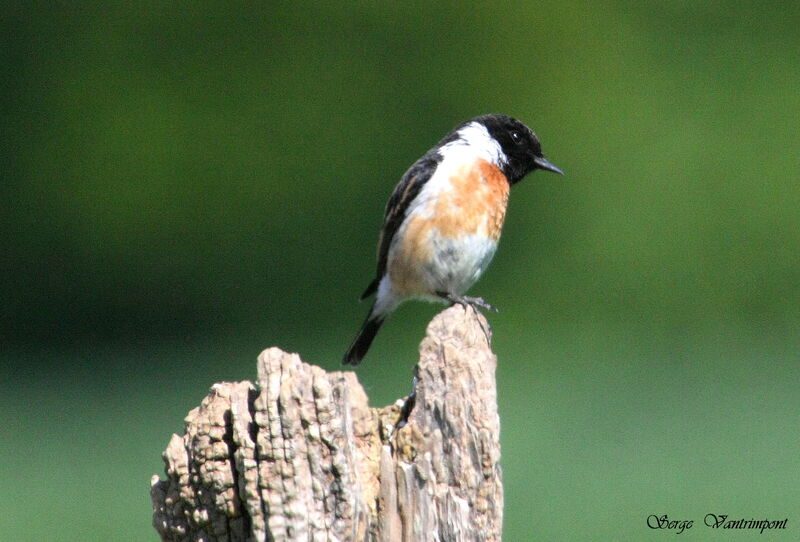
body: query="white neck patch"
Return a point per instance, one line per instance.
(474, 139)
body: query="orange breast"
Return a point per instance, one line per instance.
(476, 204)
(412, 251)
(473, 204)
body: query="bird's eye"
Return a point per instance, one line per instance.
(516, 138)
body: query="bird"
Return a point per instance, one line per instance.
(443, 221)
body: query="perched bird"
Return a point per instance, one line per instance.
(443, 221)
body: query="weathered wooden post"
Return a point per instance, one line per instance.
(299, 455)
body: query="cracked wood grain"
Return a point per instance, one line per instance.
(299, 455)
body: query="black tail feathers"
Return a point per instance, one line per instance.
(371, 289)
(361, 344)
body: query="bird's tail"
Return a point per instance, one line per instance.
(360, 345)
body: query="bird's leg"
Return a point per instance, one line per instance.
(465, 300)
(473, 302)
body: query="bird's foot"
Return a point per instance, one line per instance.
(465, 300)
(473, 302)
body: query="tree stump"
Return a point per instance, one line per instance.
(299, 455)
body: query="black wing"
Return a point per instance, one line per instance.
(404, 193)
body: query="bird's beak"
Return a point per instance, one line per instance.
(543, 163)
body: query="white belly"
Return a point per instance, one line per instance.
(455, 264)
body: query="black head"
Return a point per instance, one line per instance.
(523, 152)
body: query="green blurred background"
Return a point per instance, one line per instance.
(187, 184)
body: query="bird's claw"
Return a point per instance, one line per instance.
(474, 302)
